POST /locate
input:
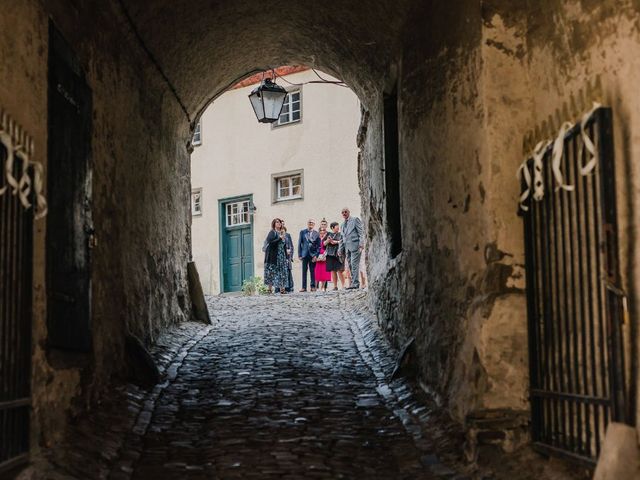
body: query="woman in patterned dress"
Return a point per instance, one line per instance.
(276, 273)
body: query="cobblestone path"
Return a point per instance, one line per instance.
(281, 387)
(292, 387)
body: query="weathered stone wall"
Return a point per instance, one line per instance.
(553, 53)
(473, 82)
(601, 42)
(140, 192)
(457, 286)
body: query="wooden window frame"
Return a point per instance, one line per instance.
(276, 188)
(239, 218)
(196, 212)
(196, 140)
(288, 102)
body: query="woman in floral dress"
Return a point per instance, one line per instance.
(276, 272)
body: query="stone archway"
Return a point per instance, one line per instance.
(471, 82)
(153, 70)
(443, 283)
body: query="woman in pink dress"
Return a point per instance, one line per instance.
(322, 276)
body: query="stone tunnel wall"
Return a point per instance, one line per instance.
(457, 287)
(599, 54)
(473, 82)
(140, 193)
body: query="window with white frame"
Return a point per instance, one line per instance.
(197, 134)
(288, 186)
(196, 202)
(291, 109)
(238, 213)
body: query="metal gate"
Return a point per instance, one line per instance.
(16, 241)
(575, 303)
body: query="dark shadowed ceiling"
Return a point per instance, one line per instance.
(205, 46)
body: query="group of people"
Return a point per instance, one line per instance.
(330, 254)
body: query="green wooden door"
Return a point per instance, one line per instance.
(233, 261)
(247, 253)
(237, 243)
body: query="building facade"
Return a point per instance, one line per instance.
(245, 173)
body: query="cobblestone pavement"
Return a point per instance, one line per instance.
(295, 387)
(282, 387)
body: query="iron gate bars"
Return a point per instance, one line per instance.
(16, 241)
(574, 300)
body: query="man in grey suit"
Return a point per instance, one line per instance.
(353, 244)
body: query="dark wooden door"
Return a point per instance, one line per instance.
(69, 225)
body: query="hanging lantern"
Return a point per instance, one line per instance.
(267, 100)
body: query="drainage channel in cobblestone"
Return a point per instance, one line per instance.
(399, 395)
(131, 449)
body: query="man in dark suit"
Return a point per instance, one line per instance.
(352, 245)
(308, 251)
